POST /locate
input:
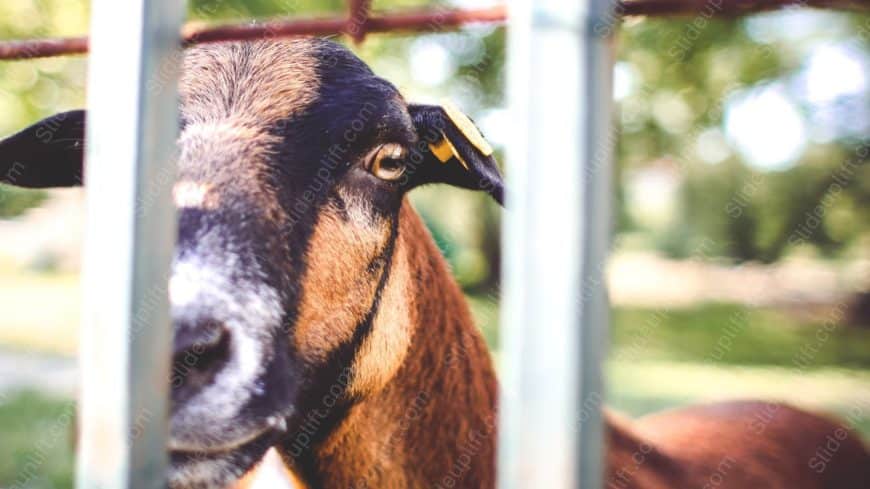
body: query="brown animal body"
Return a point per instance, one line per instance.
(315, 317)
(734, 445)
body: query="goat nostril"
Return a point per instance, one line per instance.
(200, 352)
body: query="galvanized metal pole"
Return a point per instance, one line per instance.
(555, 311)
(125, 343)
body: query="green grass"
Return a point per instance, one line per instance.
(35, 442)
(14, 200)
(661, 359)
(725, 334)
(666, 358)
(735, 335)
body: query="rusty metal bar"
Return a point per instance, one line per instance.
(43, 48)
(359, 13)
(726, 8)
(407, 21)
(412, 22)
(196, 33)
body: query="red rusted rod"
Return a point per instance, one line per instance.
(726, 8)
(41, 48)
(358, 15)
(408, 21)
(432, 20)
(359, 23)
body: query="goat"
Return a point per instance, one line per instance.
(313, 313)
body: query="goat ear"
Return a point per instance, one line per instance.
(452, 150)
(46, 154)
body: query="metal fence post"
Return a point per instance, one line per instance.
(125, 342)
(555, 310)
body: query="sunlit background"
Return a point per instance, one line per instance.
(742, 225)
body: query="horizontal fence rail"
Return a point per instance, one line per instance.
(359, 22)
(196, 32)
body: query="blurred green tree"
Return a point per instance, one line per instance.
(677, 80)
(683, 75)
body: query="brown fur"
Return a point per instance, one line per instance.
(423, 411)
(337, 287)
(384, 351)
(732, 445)
(252, 83)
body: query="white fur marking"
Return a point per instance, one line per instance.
(183, 287)
(270, 473)
(200, 287)
(193, 195)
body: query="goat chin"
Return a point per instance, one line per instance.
(270, 473)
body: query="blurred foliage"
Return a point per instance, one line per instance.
(679, 96)
(36, 451)
(719, 335)
(730, 334)
(14, 201)
(680, 84)
(768, 210)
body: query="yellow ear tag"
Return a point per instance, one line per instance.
(467, 128)
(444, 150)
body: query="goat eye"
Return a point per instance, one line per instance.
(388, 162)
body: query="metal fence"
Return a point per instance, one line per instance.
(555, 239)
